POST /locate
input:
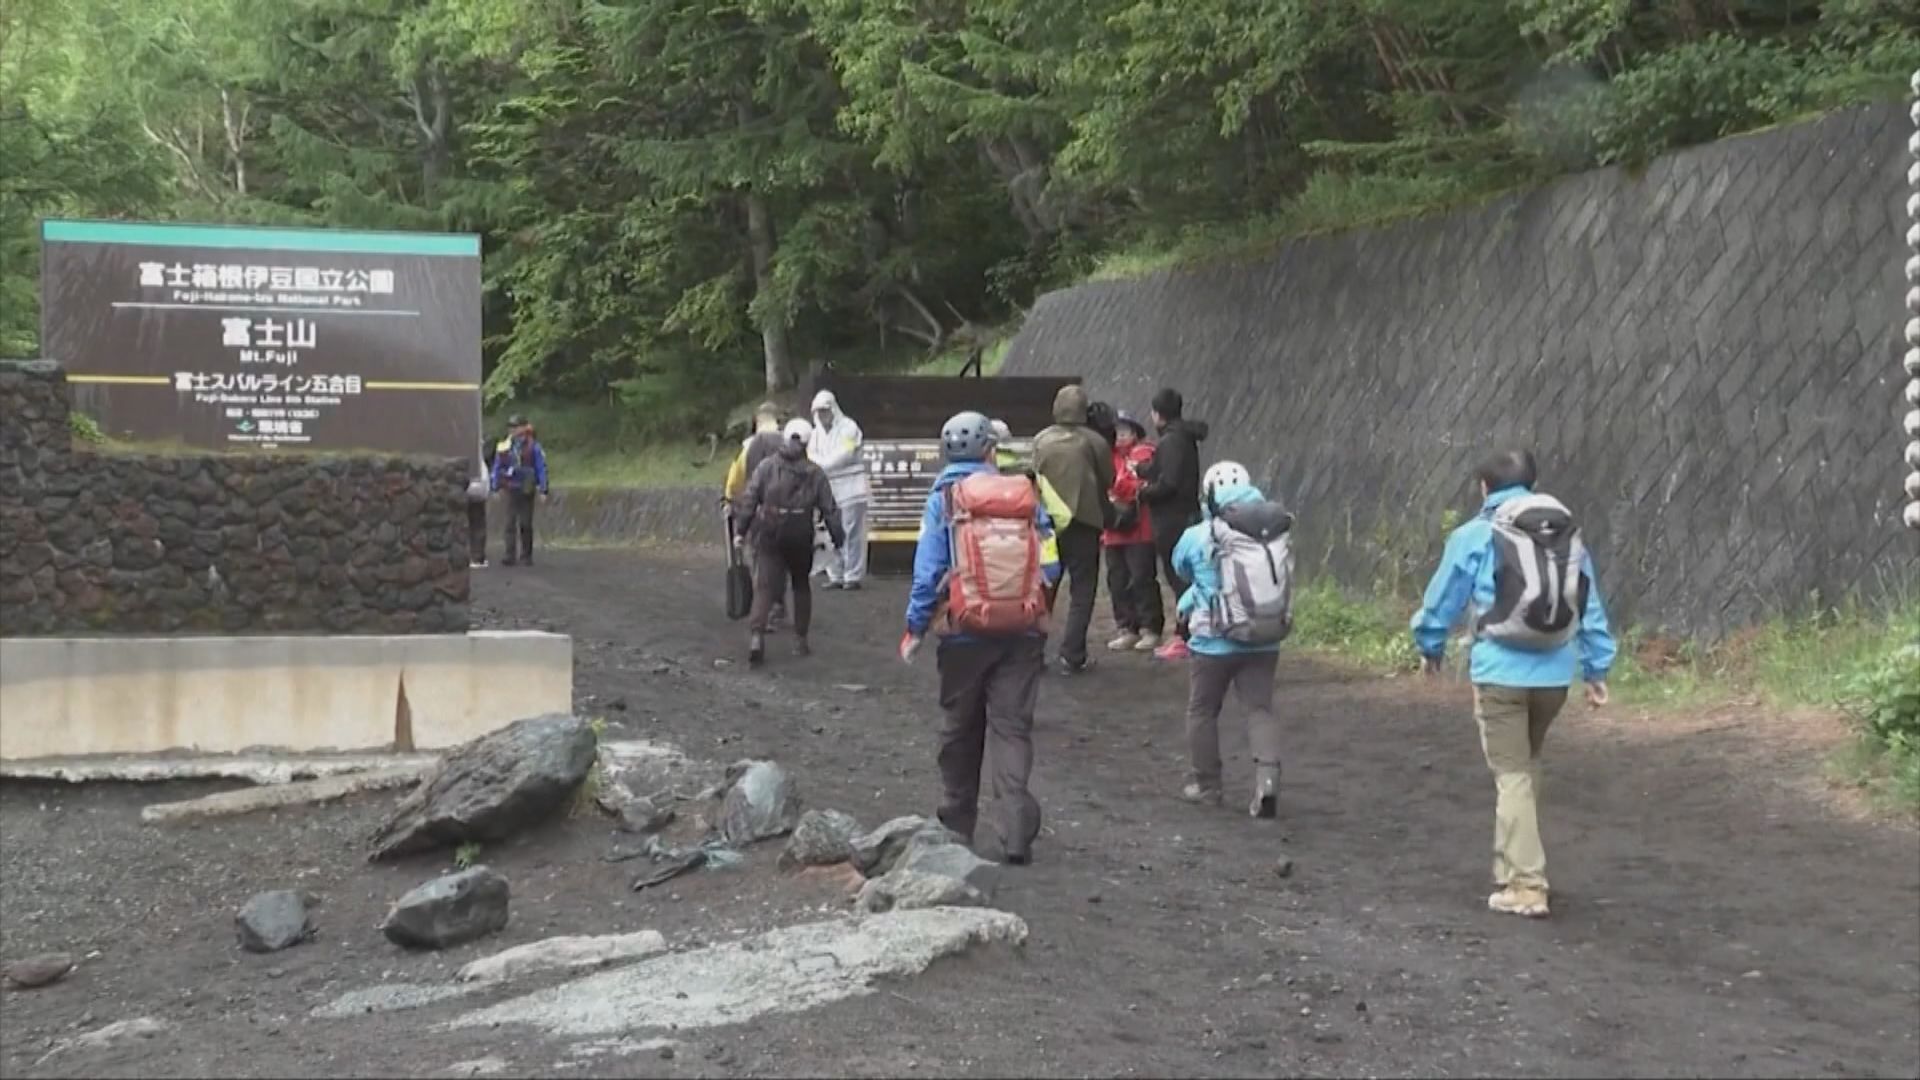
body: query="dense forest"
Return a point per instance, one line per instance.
(680, 199)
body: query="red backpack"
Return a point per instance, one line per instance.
(995, 587)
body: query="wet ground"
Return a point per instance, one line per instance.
(1716, 912)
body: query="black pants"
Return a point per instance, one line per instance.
(1080, 565)
(773, 568)
(476, 531)
(1135, 588)
(1164, 549)
(519, 533)
(989, 689)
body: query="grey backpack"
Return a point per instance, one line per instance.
(1254, 558)
(1539, 575)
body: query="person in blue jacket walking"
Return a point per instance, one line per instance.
(989, 683)
(1220, 663)
(520, 470)
(1521, 675)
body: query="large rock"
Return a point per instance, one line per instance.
(876, 853)
(45, 969)
(493, 786)
(763, 802)
(907, 890)
(932, 854)
(450, 910)
(823, 838)
(273, 921)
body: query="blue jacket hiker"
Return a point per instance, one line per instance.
(993, 629)
(1220, 663)
(1537, 622)
(520, 470)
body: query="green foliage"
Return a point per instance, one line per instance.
(467, 855)
(1885, 700)
(1368, 630)
(683, 202)
(85, 428)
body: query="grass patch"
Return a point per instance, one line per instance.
(1368, 631)
(466, 856)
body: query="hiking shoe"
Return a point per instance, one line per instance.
(1068, 667)
(1126, 642)
(1173, 650)
(801, 648)
(756, 648)
(1266, 792)
(831, 584)
(1149, 642)
(850, 586)
(1201, 794)
(1019, 858)
(481, 565)
(1516, 900)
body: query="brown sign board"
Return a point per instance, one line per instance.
(283, 340)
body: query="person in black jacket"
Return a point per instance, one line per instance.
(1172, 491)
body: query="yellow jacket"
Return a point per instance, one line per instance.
(736, 484)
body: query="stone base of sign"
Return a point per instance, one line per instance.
(62, 697)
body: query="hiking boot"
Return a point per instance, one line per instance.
(1069, 667)
(801, 648)
(850, 586)
(1126, 642)
(481, 565)
(1266, 792)
(756, 648)
(1149, 642)
(1201, 794)
(835, 585)
(1519, 900)
(1174, 650)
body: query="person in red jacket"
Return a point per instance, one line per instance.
(1131, 561)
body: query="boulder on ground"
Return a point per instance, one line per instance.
(272, 921)
(32, 972)
(929, 853)
(640, 814)
(763, 802)
(822, 838)
(493, 786)
(450, 910)
(877, 852)
(907, 890)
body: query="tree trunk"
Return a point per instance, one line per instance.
(433, 114)
(236, 129)
(773, 325)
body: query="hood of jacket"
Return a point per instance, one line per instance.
(1227, 496)
(1193, 429)
(824, 401)
(1070, 405)
(958, 471)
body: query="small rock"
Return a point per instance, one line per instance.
(1283, 868)
(1266, 979)
(851, 687)
(937, 855)
(876, 853)
(640, 815)
(666, 1053)
(272, 921)
(1094, 899)
(37, 971)
(1359, 1006)
(1755, 974)
(1305, 1011)
(764, 801)
(450, 910)
(907, 890)
(722, 663)
(485, 1066)
(276, 973)
(822, 838)
(618, 704)
(142, 1027)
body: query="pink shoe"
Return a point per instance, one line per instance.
(1173, 650)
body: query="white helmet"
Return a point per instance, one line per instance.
(1223, 474)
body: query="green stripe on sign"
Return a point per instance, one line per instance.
(234, 236)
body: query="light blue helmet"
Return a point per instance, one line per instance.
(968, 436)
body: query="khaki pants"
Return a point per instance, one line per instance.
(1513, 729)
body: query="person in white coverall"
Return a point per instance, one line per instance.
(835, 447)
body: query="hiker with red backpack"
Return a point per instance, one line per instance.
(980, 574)
(1239, 608)
(783, 498)
(1522, 567)
(520, 470)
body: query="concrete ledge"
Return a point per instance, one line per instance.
(124, 695)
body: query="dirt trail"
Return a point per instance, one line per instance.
(1711, 918)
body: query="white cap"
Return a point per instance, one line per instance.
(799, 430)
